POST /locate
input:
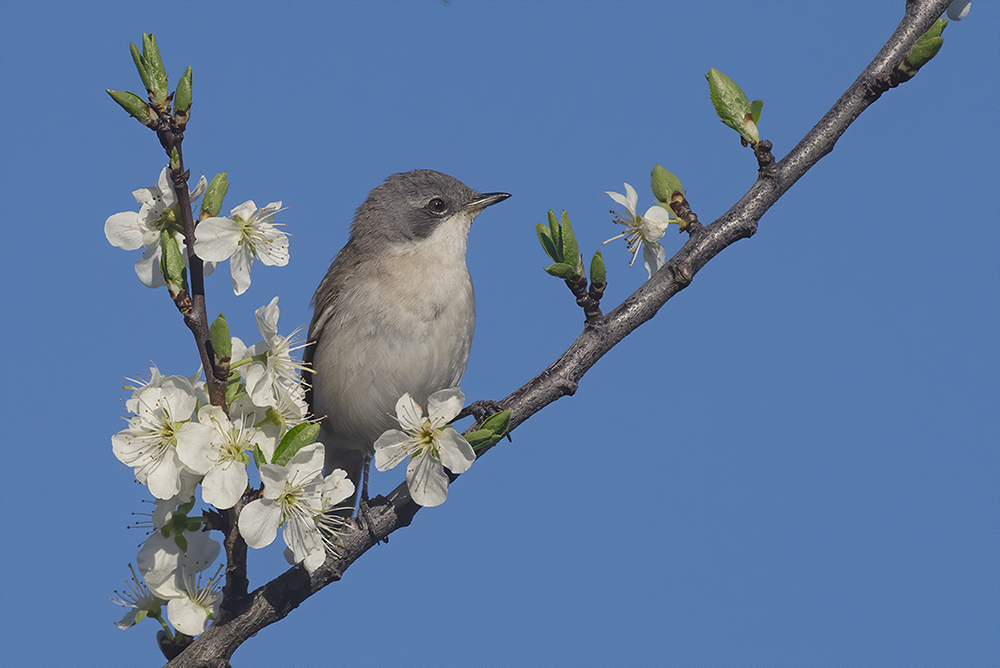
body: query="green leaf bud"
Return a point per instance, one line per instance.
(135, 106)
(155, 72)
(664, 184)
(555, 232)
(234, 388)
(172, 263)
(498, 422)
(182, 99)
(571, 249)
(598, 273)
(561, 270)
(732, 105)
(141, 67)
(222, 342)
(211, 203)
(925, 48)
(544, 236)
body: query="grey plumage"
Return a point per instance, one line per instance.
(395, 312)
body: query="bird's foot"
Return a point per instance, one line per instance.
(480, 410)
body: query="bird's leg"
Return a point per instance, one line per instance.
(364, 511)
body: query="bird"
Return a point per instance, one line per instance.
(394, 314)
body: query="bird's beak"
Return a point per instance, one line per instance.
(486, 200)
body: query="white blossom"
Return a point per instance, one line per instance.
(167, 568)
(644, 231)
(139, 601)
(298, 497)
(272, 377)
(149, 444)
(248, 233)
(132, 230)
(217, 448)
(198, 605)
(430, 443)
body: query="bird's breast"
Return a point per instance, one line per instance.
(406, 327)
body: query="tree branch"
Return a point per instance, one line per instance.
(279, 597)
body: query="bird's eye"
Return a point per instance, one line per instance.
(437, 206)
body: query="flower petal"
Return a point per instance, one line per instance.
(239, 267)
(187, 616)
(632, 199)
(147, 268)
(337, 487)
(456, 453)
(302, 538)
(194, 446)
(409, 413)
(224, 484)
(125, 230)
(618, 197)
(259, 522)
(427, 481)
(216, 239)
(314, 560)
(391, 448)
(654, 256)
(444, 405)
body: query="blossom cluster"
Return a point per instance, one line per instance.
(176, 442)
(247, 233)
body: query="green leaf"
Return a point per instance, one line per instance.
(172, 263)
(134, 105)
(211, 203)
(480, 438)
(155, 71)
(598, 273)
(732, 105)
(498, 422)
(181, 541)
(192, 524)
(547, 245)
(755, 108)
(182, 99)
(664, 184)
(561, 270)
(493, 429)
(555, 232)
(926, 46)
(185, 508)
(140, 65)
(297, 438)
(234, 387)
(571, 249)
(222, 342)
(258, 456)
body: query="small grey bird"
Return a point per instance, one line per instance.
(395, 312)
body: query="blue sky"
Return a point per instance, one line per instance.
(794, 463)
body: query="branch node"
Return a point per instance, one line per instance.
(687, 219)
(766, 166)
(589, 301)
